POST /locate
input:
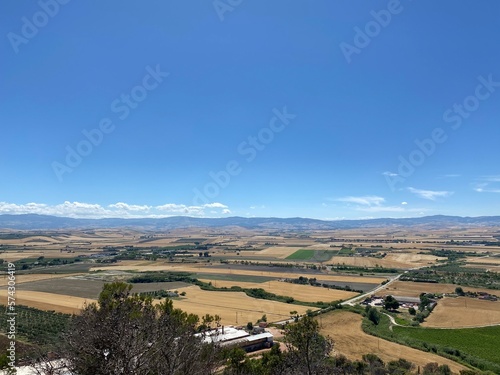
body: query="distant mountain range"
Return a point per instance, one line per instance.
(32, 222)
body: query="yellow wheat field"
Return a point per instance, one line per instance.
(26, 278)
(207, 269)
(411, 289)
(47, 301)
(233, 307)
(350, 340)
(302, 293)
(463, 312)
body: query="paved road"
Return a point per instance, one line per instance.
(372, 292)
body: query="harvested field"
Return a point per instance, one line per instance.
(91, 288)
(304, 293)
(158, 242)
(233, 307)
(350, 340)
(412, 289)
(488, 263)
(235, 279)
(277, 252)
(463, 312)
(391, 260)
(47, 301)
(15, 255)
(27, 278)
(12, 256)
(484, 266)
(494, 261)
(238, 271)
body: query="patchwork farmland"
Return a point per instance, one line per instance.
(242, 275)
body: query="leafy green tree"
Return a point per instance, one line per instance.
(273, 361)
(459, 291)
(390, 303)
(126, 334)
(400, 367)
(375, 365)
(307, 350)
(434, 369)
(373, 314)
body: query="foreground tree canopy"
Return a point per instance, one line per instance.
(127, 334)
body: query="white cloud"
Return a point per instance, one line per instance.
(369, 200)
(115, 210)
(489, 186)
(492, 178)
(483, 188)
(129, 207)
(69, 209)
(215, 205)
(429, 194)
(388, 209)
(390, 174)
(375, 204)
(257, 207)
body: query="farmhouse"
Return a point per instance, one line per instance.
(232, 337)
(407, 302)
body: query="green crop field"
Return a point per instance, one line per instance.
(480, 342)
(346, 251)
(301, 254)
(312, 255)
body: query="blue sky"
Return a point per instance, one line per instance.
(252, 108)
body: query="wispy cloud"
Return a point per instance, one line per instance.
(375, 204)
(378, 209)
(257, 207)
(487, 184)
(368, 200)
(491, 178)
(390, 174)
(115, 210)
(485, 188)
(429, 194)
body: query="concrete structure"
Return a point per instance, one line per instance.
(232, 337)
